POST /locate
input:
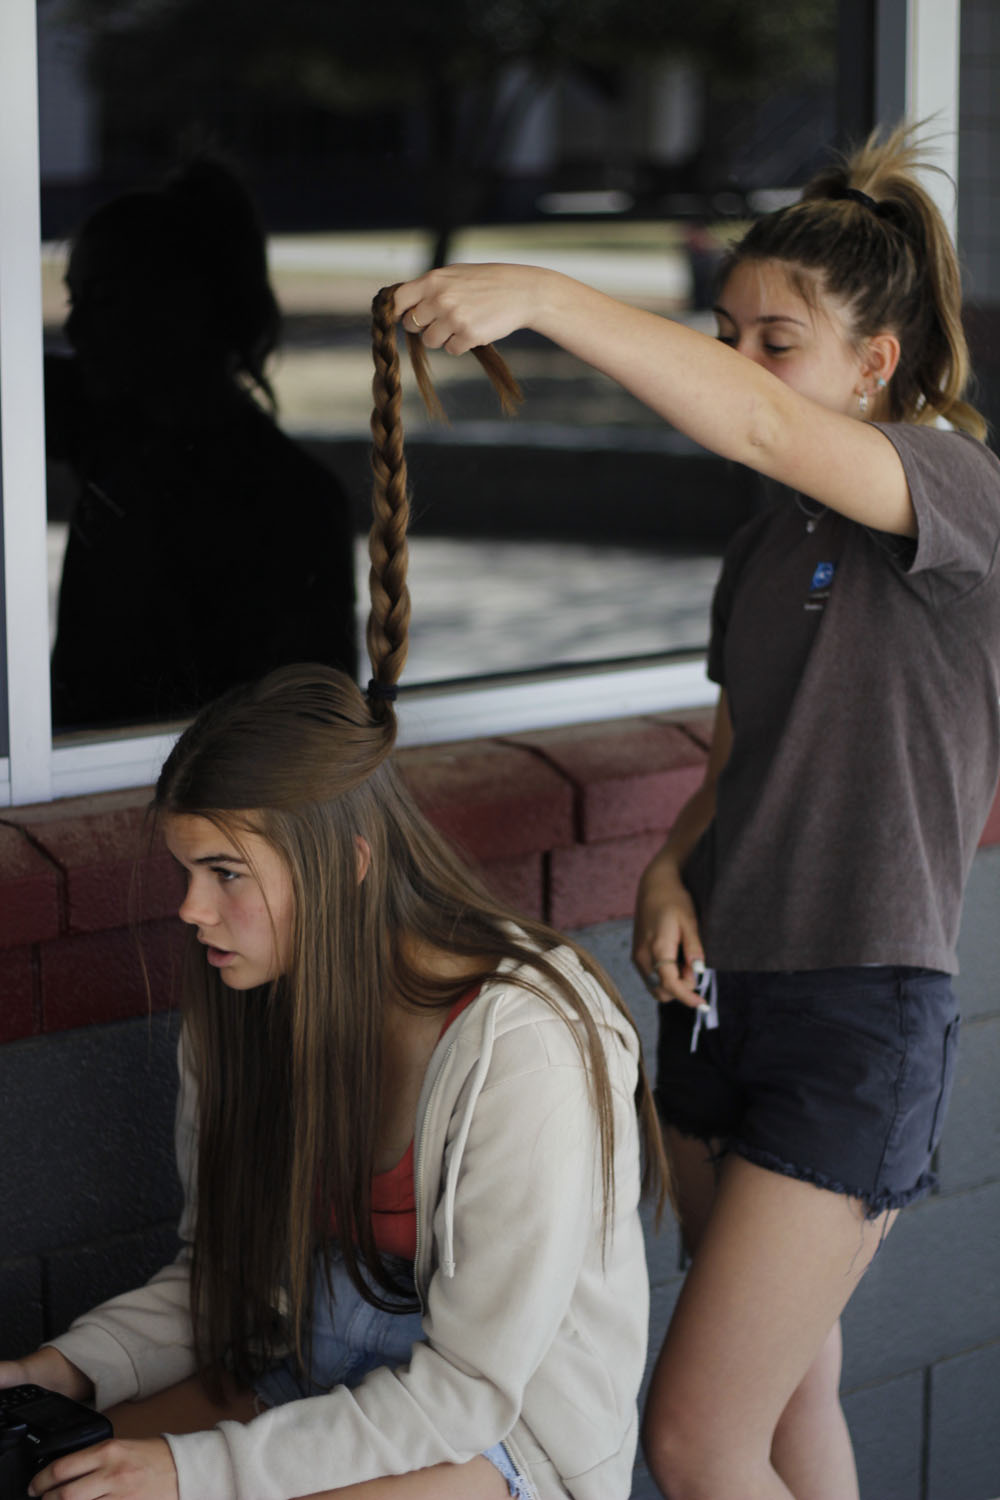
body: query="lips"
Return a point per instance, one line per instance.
(218, 957)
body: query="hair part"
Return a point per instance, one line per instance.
(868, 234)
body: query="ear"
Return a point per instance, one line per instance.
(880, 357)
(363, 853)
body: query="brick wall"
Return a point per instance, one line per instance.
(561, 822)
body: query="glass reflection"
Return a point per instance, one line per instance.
(204, 545)
(622, 143)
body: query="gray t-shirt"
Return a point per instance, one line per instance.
(863, 676)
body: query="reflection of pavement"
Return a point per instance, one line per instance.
(481, 607)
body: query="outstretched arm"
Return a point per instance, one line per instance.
(721, 399)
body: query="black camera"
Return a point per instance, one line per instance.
(37, 1426)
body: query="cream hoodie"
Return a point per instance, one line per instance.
(534, 1337)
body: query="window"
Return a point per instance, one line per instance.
(557, 160)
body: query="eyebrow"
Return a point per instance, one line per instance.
(768, 318)
(210, 859)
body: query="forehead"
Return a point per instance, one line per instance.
(191, 837)
(766, 288)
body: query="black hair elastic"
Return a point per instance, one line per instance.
(386, 691)
(857, 196)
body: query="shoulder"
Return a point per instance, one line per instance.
(529, 1015)
(954, 484)
(943, 457)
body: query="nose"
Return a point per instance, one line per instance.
(750, 348)
(197, 909)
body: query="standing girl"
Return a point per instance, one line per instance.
(408, 1130)
(819, 870)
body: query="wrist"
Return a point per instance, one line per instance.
(50, 1368)
(553, 303)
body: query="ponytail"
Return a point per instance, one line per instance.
(873, 237)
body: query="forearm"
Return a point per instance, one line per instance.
(724, 402)
(688, 827)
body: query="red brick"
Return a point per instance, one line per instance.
(631, 775)
(96, 976)
(493, 800)
(700, 727)
(991, 833)
(29, 890)
(17, 1015)
(99, 843)
(517, 882)
(597, 882)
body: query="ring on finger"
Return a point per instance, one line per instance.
(653, 980)
(413, 322)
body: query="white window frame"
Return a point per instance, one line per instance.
(917, 61)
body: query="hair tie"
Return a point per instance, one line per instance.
(386, 691)
(857, 196)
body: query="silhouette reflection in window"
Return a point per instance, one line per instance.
(205, 547)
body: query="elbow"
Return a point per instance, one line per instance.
(761, 436)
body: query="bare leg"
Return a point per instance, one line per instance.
(775, 1262)
(188, 1408)
(812, 1447)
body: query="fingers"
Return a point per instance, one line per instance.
(119, 1468)
(668, 951)
(461, 307)
(675, 979)
(75, 1476)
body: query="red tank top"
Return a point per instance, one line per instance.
(394, 1203)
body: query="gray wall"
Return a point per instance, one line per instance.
(978, 144)
(89, 1197)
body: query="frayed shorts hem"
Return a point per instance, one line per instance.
(876, 1204)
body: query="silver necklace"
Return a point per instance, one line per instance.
(813, 517)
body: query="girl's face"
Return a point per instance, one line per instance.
(761, 315)
(238, 897)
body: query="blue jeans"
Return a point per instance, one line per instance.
(351, 1337)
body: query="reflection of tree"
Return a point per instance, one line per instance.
(450, 62)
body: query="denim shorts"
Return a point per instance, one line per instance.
(840, 1077)
(351, 1337)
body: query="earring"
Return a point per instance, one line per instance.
(879, 383)
(862, 403)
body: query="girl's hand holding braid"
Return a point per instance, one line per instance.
(458, 308)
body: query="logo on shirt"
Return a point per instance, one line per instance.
(819, 588)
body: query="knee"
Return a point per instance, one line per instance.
(676, 1457)
(691, 1460)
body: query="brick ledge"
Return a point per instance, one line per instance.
(561, 822)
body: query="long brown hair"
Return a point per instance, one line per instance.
(290, 1075)
(872, 237)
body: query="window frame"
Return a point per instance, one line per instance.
(916, 60)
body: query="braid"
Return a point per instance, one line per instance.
(389, 617)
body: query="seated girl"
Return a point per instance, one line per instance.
(409, 1130)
